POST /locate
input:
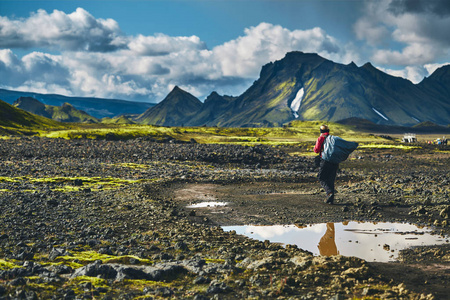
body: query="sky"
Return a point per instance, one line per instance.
(139, 50)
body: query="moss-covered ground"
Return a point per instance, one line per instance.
(293, 133)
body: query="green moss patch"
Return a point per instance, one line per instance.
(95, 281)
(6, 265)
(78, 259)
(71, 184)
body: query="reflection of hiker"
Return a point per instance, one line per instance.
(327, 245)
(327, 170)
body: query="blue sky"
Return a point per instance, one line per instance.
(139, 50)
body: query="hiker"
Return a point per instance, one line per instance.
(327, 170)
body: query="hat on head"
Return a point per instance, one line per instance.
(324, 128)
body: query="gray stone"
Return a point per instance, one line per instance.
(120, 272)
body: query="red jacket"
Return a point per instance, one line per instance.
(319, 144)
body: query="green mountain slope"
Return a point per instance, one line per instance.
(319, 89)
(64, 113)
(175, 110)
(267, 102)
(13, 117)
(117, 120)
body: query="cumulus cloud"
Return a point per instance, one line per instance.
(420, 28)
(162, 44)
(78, 31)
(433, 67)
(96, 59)
(245, 55)
(34, 67)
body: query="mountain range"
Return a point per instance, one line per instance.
(305, 86)
(96, 107)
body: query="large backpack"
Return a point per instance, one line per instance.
(336, 149)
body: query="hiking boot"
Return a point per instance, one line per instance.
(330, 198)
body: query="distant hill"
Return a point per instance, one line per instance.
(13, 117)
(117, 120)
(305, 86)
(63, 113)
(175, 110)
(96, 107)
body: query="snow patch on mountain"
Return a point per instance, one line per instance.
(295, 105)
(415, 119)
(380, 114)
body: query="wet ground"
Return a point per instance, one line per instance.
(380, 186)
(371, 241)
(109, 219)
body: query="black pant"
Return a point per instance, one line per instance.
(327, 175)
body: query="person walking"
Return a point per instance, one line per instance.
(327, 170)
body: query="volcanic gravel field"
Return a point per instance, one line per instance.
(95, 219)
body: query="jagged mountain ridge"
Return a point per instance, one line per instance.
(320, 89)
(64, 113)
(215, 106)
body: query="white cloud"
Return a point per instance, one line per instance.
(414, 54)
(162, 44)
(419, 30)
(414, 73)
(97, 59)
(245, 55)
(433, 67)
(43, 88)
(78, 31)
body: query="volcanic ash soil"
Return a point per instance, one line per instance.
(84, 219)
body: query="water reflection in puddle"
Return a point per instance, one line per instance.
(207, 204)
(370, 241)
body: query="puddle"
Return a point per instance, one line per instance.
(207, 204)
(370, 241)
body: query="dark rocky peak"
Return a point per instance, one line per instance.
(213, 97)
(292, 62)
(441, 74)
(352, 65)
(369, 67)
(27, 101)
(179, 95)
(177, 90)
(32, 105)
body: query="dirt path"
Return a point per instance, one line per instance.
(268, 203)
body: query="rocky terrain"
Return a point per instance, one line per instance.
(85, 219)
